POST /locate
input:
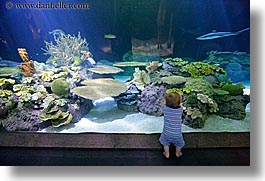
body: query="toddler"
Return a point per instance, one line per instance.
(172, 124)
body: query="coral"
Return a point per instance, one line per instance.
(151, 100)
(27, 66)
(47, 76)
(130, 64)
(57, 117)
(47, 101)
(105, 69)
(24, 94)
(5, 93)
(193, 112)
(236, 64)
(23, 120)
(39, 95)
(128, 100)
(181, 91)
(99, 88)
(5, 82)
(173, 80)
(194, 117)
(213, 106)
(191, 100)
(220, 92)
(9, 71)
(152, 67)
(140, 79)
(19, 89)
(60, 86)
(198, 69)
(164, 74)
(25, 97)
(175, 66)
(200, 86)
(212, 80)
(233, 107)
(7, 102)
(57, 113)
(77, 60)
(177, 61)
(60, 102)
(66, 50)
(27, 80)
(234, 90)
(203, 98)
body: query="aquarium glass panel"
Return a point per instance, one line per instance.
(106, 66)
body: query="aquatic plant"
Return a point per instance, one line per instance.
(66, 50)
(234, 90)
(60, 86)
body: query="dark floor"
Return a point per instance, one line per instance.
(122, 157)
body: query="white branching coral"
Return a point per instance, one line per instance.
(66, 48)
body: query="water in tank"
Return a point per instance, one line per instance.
(105, 66)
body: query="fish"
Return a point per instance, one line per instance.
(215, 35)
(110, 36)
(57, 32)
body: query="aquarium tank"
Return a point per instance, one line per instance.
(105, 66)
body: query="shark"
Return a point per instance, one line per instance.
(215, 34)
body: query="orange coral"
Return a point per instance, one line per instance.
(152, 67)
(27, 66)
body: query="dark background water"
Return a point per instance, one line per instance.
(127, 19)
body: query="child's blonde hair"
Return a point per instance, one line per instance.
(173, 99)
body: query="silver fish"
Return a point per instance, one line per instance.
(214, 35)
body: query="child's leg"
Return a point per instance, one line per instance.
(178, 152)
(166, 151)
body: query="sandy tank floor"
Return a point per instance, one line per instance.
(105, 117)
